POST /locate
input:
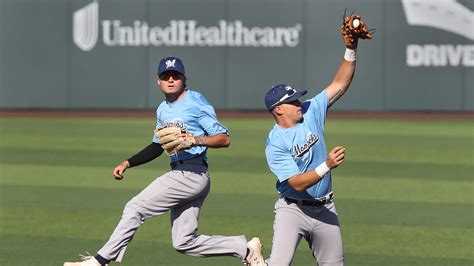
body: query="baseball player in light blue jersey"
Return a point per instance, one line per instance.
(191, 122)
(296, 154)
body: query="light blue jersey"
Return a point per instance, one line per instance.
(295, 150)
(193, 114)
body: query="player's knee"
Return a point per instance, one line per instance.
(131, 207)
(180, 248)
(133, 211)
(183, 245)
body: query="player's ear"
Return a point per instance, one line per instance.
(278, 110)
(158, 81)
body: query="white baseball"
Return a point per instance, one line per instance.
(355, 23)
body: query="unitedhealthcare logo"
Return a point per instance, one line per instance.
(447, 15)
(86, 26)
(177, 33)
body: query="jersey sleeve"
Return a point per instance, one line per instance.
(155, 139)
(209, 122)
(318, 107)
(280, 162)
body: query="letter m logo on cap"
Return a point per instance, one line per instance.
(170, 63)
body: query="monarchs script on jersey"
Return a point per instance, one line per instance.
(299, 151)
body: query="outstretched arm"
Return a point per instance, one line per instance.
(149, 153)
(342, 80)
(352, 29)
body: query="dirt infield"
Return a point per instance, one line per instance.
(237, 114)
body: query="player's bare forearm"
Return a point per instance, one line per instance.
(303, 181)
(341, 82)
(221, 140)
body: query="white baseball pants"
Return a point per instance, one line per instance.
(319, 225)
(183, 193)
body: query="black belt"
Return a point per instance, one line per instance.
(316, 202)
(196, 160)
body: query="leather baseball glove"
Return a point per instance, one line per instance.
(173, 140)
(353, 29)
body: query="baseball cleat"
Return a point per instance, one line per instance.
(86, 261)
(255, 257)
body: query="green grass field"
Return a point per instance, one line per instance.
(404, 195)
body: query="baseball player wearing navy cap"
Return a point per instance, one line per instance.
(296, 153)
(186, 127)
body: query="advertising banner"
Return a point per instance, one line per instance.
(103, 54)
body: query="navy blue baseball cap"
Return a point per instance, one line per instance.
(281, 93)
(171, 63)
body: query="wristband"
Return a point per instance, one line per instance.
(322, 169)
(350, 54)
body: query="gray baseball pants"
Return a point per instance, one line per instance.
(319, 225)
(182, 191)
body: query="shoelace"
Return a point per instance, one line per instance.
(250, 255)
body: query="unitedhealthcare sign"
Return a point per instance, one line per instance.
(444, 15)
(177, 33)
